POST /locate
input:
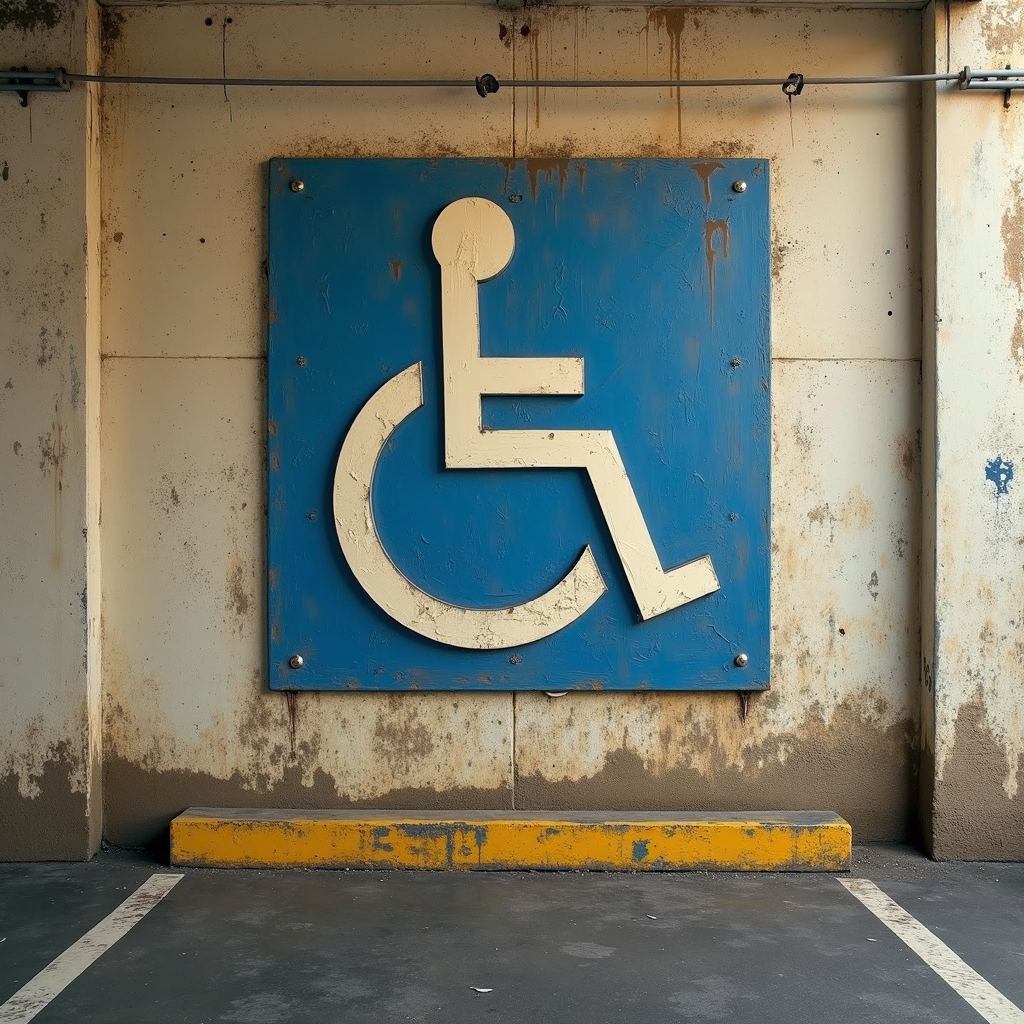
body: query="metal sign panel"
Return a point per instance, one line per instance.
(518, 425)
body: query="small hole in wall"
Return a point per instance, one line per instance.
(209, 21)
(202, 241)
(889, 313)
(229, 21)
(524, 31)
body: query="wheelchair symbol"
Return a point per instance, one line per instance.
(473, 241)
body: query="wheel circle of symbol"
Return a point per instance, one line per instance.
(387, 585)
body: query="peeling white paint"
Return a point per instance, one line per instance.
(49, 415)
(977, 658)
(475, 628)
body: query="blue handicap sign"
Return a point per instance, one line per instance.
(518, 424)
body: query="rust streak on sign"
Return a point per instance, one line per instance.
(711, 228)
(704, 170)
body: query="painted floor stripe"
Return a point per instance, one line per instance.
(32, 997)
(963, 979)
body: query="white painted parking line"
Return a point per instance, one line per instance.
(964, 980)
(34, 995)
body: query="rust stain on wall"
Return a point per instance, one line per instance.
(671, 20)
(1013, 235)
(1017, 345)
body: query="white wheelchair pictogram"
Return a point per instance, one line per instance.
(473, 241)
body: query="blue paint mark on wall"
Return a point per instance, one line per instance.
(654, 271)
(1000, 472)
(640, 850)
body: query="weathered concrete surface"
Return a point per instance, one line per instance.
(188, 719)
(973, 665)
(844, 163)
(49, 413)
(838, 729)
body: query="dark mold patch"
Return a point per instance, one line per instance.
(112, 21)
(30, 15)
(53, 826)
(971, 816)
(860, 771)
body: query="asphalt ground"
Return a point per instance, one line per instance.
(262, 947)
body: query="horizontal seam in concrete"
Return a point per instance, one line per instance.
(118, 355)
(846, 359)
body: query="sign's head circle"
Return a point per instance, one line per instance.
(474, 234)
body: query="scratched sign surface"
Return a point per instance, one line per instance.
(394, 566)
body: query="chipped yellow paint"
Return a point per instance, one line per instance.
(776, 841)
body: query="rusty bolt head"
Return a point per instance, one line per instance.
(741, 660)
(296, 661)
(737, 186)
(296, 185)
(735, 361)
(301, 361)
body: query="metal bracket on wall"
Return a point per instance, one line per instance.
(1004, 81)
(22, 82)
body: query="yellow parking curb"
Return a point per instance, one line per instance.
(512, 840)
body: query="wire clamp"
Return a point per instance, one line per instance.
(486, 84)
(794, 85)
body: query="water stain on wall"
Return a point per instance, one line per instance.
(141, 802)
(972, 816)
(865, 773)
(51, 824)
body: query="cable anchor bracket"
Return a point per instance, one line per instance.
(794, 85)
(22, 82)
(486, 84)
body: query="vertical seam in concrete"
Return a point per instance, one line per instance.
(515, 32)
(513, 751)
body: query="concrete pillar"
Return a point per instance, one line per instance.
(49, 430)
(973, 442)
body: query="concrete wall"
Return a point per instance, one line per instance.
(973, 585)
(897, 663)
(188, 718)
(50, 743)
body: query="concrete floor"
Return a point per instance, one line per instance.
(261, 947)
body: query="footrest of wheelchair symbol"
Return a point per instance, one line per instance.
(512, 840)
